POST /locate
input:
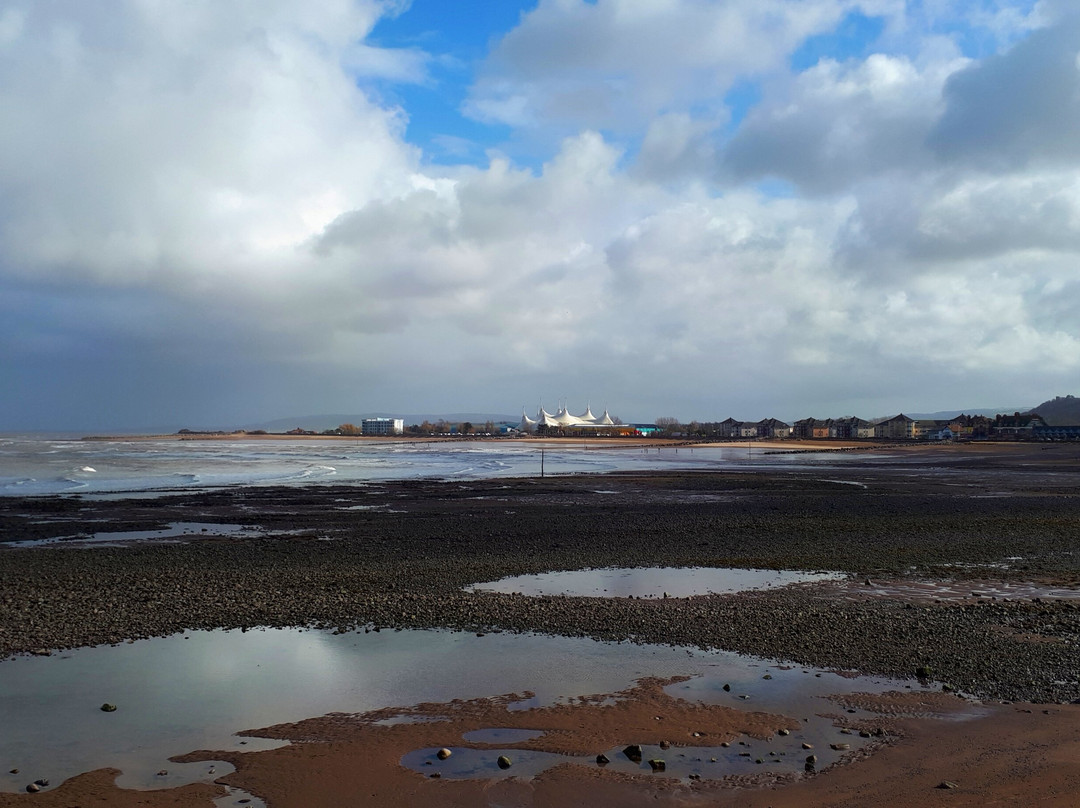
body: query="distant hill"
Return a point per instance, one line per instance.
(946, 414)
(318, 423)
(1060, 411)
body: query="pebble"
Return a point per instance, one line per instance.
(101, 586)
(443, 753)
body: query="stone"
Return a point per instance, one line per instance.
(725, 744)
(924, 671)
(41, 782)
(33, 788)
(602, 759)
(633, 752)
(840, 747)
(767, 676)
(783, 732)
(504, 762)
(658, 765)
(947, 784)
(811, 759)
(108, 708)
(665, 744)
(807, 745)
(727, 688)
(13, 771)
(163, 773)
(443, 753)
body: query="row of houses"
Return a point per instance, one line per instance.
(1026, 426)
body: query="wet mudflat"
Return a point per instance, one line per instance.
(406, 565)
(400, 555)
(195, 691)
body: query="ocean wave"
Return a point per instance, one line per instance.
(317, 471)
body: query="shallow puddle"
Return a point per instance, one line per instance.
(176, 531)
(194, 691)
(652, 582)
(502, 735)
(954, 590)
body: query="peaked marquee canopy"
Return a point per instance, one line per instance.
(563, 419)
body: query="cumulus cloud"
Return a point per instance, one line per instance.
(617, 63)
(837, 124)
(144, 139)
(1017, 108)
(216, 186)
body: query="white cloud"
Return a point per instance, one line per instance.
(219, 180)
(1017, 108)
(147, 139)
(617, 63)
(838, 124)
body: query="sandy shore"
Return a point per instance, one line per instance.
(1010, 755)
(993, 513)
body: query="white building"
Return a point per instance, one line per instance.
(382, 426)
(563, 420)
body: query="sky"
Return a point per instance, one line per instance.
(220, 212)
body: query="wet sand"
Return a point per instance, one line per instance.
(991, 513)
(1011, 755)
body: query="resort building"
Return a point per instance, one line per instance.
(382, 426)
(899, 427)
(562, 419)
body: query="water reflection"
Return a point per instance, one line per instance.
(652, 582)
(182, 693)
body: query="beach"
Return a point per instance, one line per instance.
(983, 530)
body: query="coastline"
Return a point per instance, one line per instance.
(1008, 521)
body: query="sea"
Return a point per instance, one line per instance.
(197, 689)
(33, 465)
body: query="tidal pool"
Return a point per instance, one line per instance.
(652, 582)
(176, 531)
(194, 691)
